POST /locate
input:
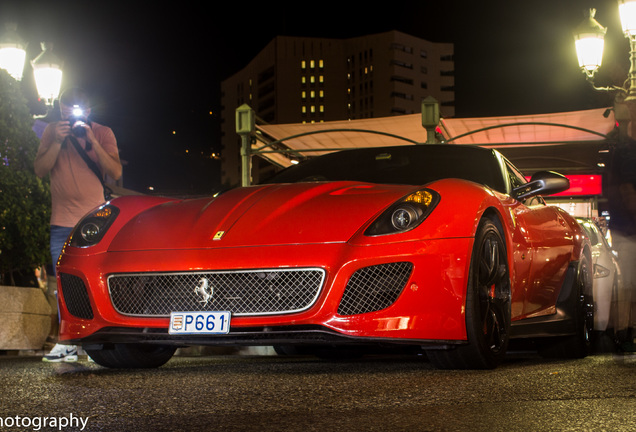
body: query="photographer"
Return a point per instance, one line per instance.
(77, 153)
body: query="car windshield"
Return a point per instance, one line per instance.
(414, 165)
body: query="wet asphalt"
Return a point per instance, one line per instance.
(273, 393)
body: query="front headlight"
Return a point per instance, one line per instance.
(91, 229)
(405, 214)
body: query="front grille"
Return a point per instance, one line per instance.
(252, 292)
(374, 288)
(76, 296)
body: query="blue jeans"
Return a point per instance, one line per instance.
(59, 234)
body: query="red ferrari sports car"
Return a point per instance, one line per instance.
(442, 248)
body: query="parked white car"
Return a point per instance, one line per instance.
(607, 275)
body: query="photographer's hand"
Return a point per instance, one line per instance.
(90, 136)
(52, 140)
(62, 131)
(110, 163)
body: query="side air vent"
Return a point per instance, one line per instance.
(374, 288)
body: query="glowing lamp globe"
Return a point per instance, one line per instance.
(589, 40)
(627, 13)
(12, 52)
(47, 71)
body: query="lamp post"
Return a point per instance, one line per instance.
(619, 188)
(245, 125)
(430, 118)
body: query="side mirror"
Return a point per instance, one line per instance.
(542, 183)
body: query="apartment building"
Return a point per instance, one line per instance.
(299, 80)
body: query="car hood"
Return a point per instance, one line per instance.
(260, 215)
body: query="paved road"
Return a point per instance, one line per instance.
(269, 393)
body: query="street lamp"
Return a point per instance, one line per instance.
(12, 51)
(47, 67)
(589, 42)
(47, 71)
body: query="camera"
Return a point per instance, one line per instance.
(76, 120)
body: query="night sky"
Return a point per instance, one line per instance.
(154, 72)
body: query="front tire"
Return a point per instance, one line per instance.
(487, 306)
(132, 356)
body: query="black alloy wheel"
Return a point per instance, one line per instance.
(487, 306)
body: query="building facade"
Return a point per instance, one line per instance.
(303, 80)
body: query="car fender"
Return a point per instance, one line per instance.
(129, 207)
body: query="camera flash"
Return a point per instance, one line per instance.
(77, 111)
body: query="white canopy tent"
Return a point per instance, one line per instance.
(548, 129)
(564, 130)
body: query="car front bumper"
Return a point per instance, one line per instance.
(428, 310)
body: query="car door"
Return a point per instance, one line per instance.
(552, 247)
(542, 249)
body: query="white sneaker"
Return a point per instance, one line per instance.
(61, 353)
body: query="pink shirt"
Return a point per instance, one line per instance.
(75, 189)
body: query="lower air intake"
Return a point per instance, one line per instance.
(76, 296)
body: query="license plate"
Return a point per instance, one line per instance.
(199, 323)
